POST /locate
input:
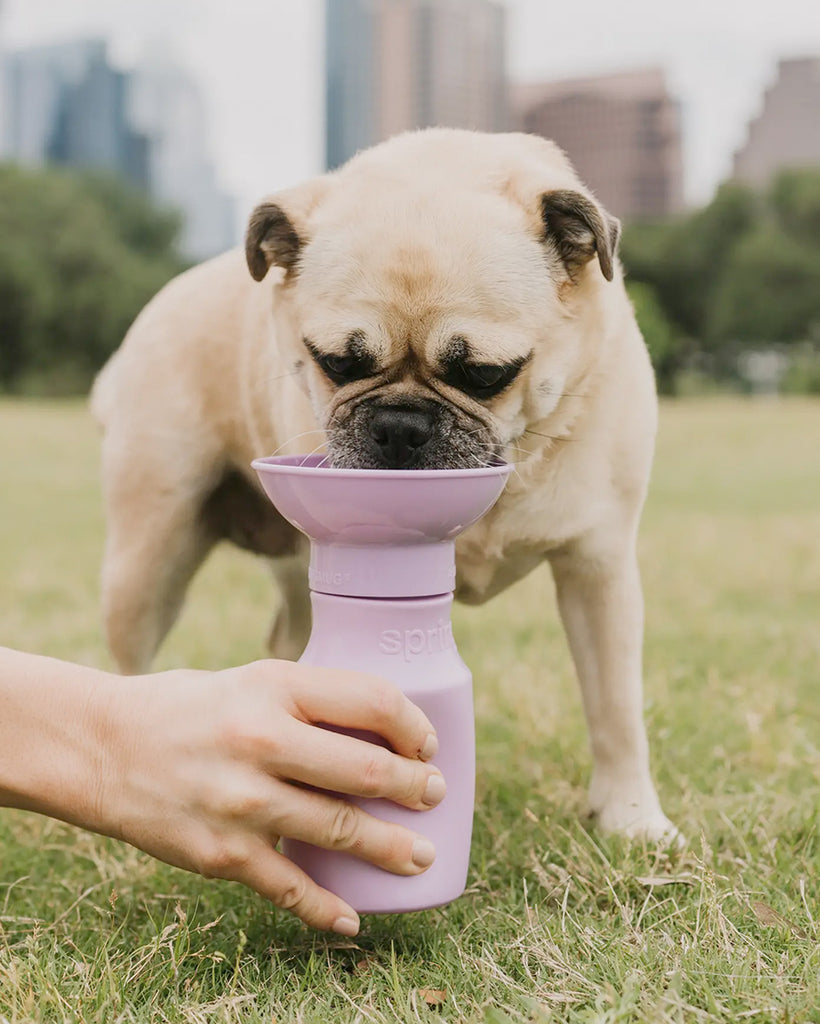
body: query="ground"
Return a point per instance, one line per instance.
(558, 924)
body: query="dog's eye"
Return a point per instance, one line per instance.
(338, 366)
(485, 376)
(342, 369)
(482, 380)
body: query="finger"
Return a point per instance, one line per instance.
(345, 764)
(279, 880)
(358, 701)
(333, 824)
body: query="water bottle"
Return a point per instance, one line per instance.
(381, 575)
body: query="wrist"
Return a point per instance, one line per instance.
(55, 737)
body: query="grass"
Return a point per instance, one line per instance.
(558, 924)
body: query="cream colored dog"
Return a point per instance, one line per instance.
(443, 298)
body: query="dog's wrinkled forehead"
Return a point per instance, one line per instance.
(423, 269)
(438, 235)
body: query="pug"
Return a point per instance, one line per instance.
(444, 299)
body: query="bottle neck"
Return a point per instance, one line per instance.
(383, 571)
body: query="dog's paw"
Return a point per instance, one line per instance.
(634, 815)
(629, 821)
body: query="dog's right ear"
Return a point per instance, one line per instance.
(279, 228)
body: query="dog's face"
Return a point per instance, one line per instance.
(442, 291)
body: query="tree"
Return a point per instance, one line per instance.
(683, 259)
(79, 257)
(742, 272)
(665, 348)
(795, 200)
(136, 220)
(768, 293)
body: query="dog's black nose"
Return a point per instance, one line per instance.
(400, 432)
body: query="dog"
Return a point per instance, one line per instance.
(445, 298)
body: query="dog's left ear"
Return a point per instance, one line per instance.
(279, 228)
(579, 229)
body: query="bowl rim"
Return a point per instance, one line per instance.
(287, 464)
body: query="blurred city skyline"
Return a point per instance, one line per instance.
(260, 66)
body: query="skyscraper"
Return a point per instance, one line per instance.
(621, 132)
(393, 65)
(3, 88)
(67, 105)
(166, 106)
(350, 77)
(786, 132)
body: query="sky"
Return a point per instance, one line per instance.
(259, 63)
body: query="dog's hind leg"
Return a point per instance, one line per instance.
(291, 627)
(156, 539)
(601, 604)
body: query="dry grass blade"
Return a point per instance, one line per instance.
(654, 881)
(770, 918)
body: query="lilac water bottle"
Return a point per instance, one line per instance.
(382, 573)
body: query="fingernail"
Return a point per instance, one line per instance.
(430, 747)
(346, 926)
(435, 790)
(424, 853)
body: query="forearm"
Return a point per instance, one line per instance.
(53, 728)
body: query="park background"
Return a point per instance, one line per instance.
(134, 138)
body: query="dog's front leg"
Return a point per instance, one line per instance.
(601, 605)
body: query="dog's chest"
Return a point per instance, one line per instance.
(520, 531)
(479, 577)
(502, 548)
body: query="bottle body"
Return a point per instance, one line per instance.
(410, 642)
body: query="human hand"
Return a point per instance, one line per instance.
(206, 771)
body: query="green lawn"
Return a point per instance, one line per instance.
(558, 924)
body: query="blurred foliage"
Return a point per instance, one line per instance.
(769, 291)
(803, 374)
(740, 274)
(80, 254)
(663, 342)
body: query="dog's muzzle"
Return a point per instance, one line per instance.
(407, 434)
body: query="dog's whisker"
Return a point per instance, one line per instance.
(296, 437)
(550, 437)
(490, 449)
(281, 376)
(516, 474)
(313, 451)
